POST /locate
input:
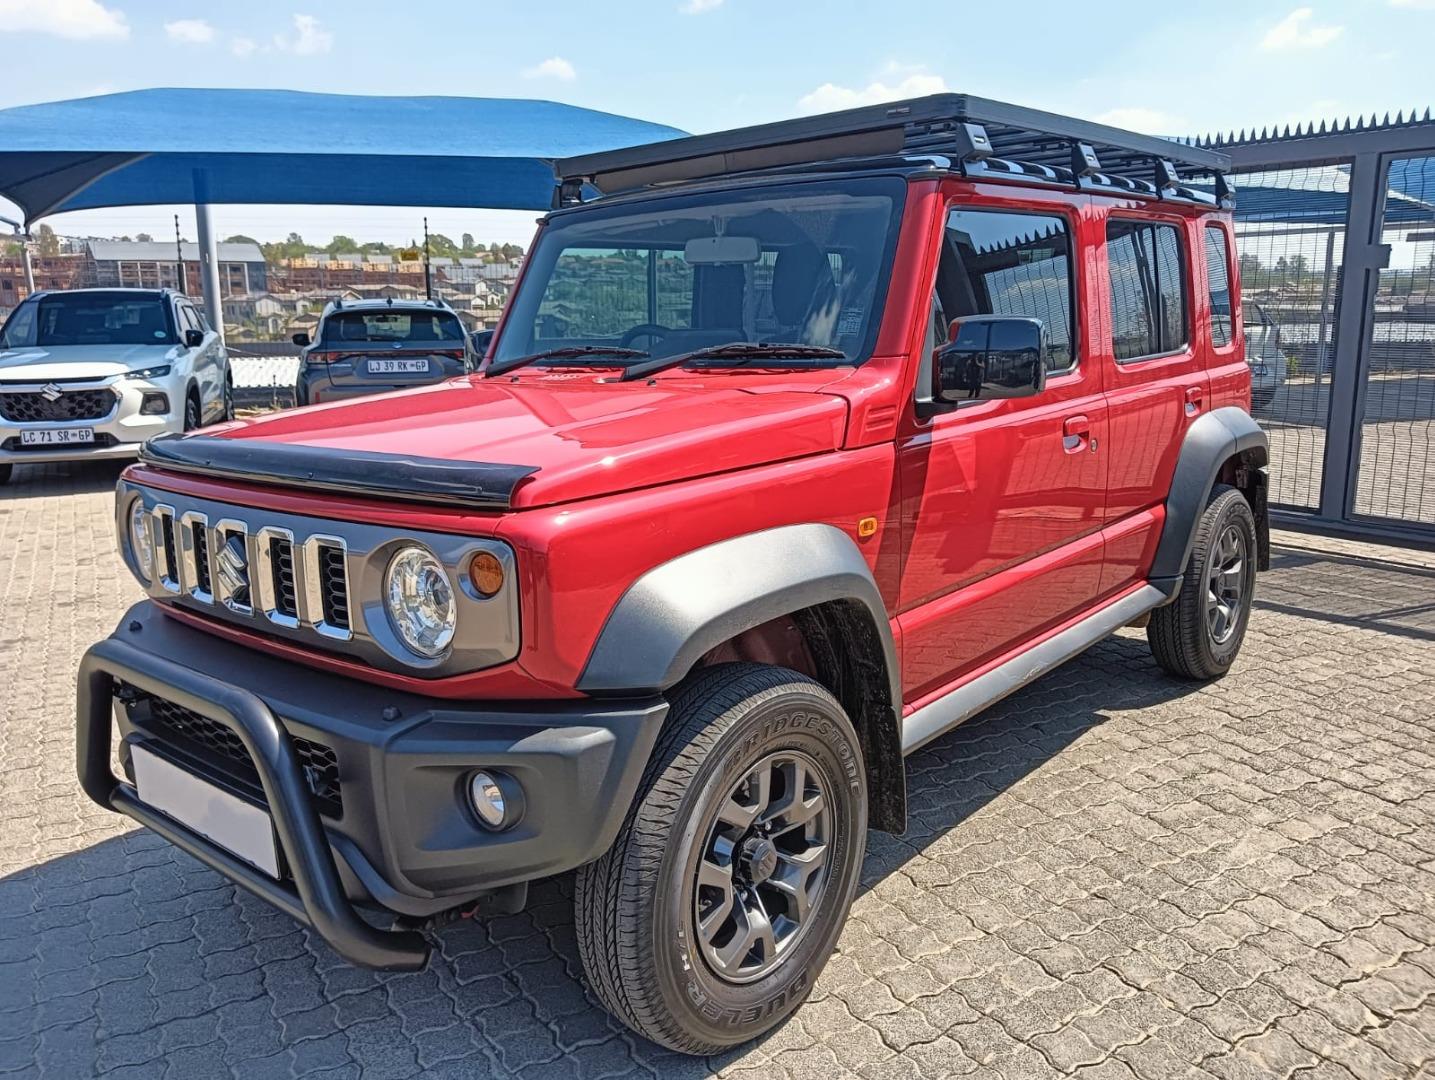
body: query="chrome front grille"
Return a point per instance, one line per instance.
(221, 564)
(31, 406)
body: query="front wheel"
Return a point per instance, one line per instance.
(1199, 634)
(716, 908)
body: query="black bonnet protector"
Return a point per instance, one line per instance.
(475, 485)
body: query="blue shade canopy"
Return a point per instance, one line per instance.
(151, 147)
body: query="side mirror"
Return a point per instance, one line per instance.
(300, 339)
(988, 357)
(193, 338)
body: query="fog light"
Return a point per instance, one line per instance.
(496, 799)
(154, 404)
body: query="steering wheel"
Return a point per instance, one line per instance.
(651, 330)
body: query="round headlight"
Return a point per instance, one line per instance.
(141, 539)
(420, 601)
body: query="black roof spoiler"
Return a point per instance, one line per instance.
(991, 139)
(473, 485)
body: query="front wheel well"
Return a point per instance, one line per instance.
(837, 643)
(1246, 472)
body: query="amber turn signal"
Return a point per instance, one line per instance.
(486, 573)
(866, 527)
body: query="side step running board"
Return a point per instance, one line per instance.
(967, 700)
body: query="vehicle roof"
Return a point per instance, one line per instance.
(128, 289)
(974, 137)
(335, 306)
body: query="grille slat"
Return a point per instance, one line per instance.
(31, 406)
(201, 559)
(220, 748)
(334, 587)
(286, 595)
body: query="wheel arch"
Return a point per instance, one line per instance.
(1225, 445)
(685, 610)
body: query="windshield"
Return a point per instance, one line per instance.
(81, 318)
(386, 326)
(802, 263)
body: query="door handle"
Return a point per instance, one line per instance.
(1194, 396)
(1075, 433)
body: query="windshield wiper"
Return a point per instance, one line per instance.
(738, 352)
(569, 352)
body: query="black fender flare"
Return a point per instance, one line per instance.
(1210, 442)
(681, 609)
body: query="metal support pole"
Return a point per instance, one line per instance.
(209, 269)
(29, 266)
(1362, 259)
(1322, 347)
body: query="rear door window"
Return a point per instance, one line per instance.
(403, 327)
(1218, 282)
(1148, 296)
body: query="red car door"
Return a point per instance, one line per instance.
(1156, 384)
(1002, 501)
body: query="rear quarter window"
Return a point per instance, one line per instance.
(1146, 262)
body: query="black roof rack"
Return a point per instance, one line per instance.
(983, 138)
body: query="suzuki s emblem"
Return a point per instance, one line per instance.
(51, 392)
(231, 565)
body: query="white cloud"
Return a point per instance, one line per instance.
(555, 67)
(1296, 31)
(189, 31)
(830, 96)
(697, 7)
(1139, 118)
(242, 47)
(74, 19)
(309, 38)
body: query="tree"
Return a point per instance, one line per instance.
(466, 243)
(342, 243)
(439, 244)
(144, 238)
(47, 241)
(237, 238)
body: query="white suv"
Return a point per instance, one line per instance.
(93, 373)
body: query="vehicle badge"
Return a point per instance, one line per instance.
(231, 564)
(51, 392)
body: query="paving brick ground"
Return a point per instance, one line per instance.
(1111, 875)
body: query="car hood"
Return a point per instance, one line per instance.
(80, 361)
(584, 437)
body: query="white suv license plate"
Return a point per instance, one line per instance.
(57, 436)
(397, 367)
(226, 819)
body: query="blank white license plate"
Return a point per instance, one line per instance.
(57, 436)
(397, 367)
(226, 819)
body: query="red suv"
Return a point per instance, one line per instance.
(798, 446)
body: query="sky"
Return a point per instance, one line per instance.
(705, 65)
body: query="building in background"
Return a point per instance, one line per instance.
(143, 264)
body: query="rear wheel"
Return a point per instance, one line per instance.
(5, 471)
(1199, 635)
(228, 413)
(712, 914)
(1261, 400)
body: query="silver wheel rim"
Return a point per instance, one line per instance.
(1226, 585)
(762, 870)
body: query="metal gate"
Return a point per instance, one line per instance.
(1336, 230)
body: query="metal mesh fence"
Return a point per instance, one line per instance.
(1396, 477)
(1290, 279)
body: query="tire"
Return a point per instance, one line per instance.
(1199, 635)
(1261, 400)
(637, 908)
(193, 415)
(5, 471)
(227, 413)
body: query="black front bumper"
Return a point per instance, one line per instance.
(401, 835)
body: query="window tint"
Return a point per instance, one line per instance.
(187, 317)
(392, 325)
(90, 318)
(1009, 264)
(1218, 277)
(1148, 300)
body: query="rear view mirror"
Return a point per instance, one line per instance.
(194, 338)
(714, 250)
(988, 357)
(300, 339)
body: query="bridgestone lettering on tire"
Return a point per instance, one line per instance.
(1200, 634)
(711, 916)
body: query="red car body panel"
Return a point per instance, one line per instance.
(996, 524)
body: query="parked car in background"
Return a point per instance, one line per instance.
(1265, 356)
(372, 346)
(93, 373)
(771, 477)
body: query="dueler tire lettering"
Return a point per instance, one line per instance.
(636, 906)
